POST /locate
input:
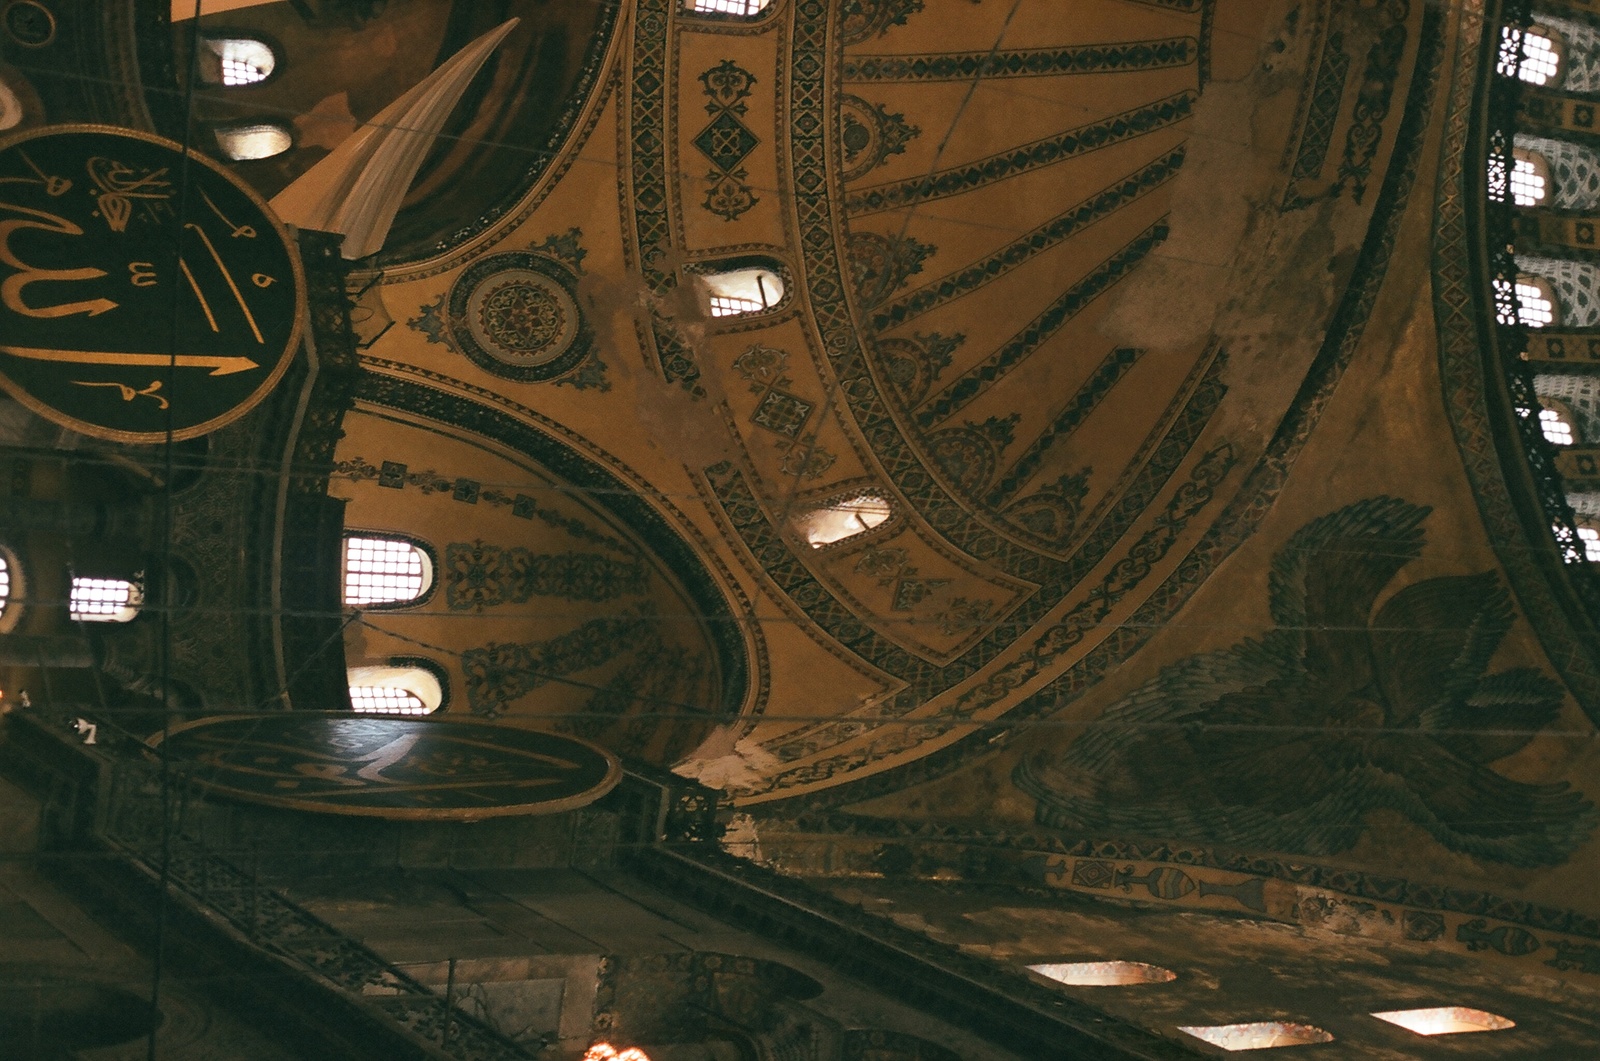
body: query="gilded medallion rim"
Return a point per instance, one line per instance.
(291, 245)
(612, 778)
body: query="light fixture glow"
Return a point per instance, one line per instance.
(1262, 1035)
(1105, 974)
(1445, 1020)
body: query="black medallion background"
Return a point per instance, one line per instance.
(102, 283)
(534, 346)
(391, 767)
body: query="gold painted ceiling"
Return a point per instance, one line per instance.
(1149, 321)
(1051, 304)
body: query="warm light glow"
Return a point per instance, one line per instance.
(1445, 1020)
(607, 1052)
(5, 585)
(1105, 974)
(10, 108)
(1261, 1036)
(247, 143)
(843, 519)
(384, 571)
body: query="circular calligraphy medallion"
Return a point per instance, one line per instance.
(140, 288)
(391, 767)
(516, 315)
(29, 23)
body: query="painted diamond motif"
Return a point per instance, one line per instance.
(726, 142)
(1092, 874)
(781, 413)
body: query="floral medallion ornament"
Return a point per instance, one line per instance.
(869, 134)
(517, 315)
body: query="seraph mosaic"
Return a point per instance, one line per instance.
(1287, 742)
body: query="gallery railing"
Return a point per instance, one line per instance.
(113, 797)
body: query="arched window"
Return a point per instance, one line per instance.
(104, 600)
(744, 287)
(236, 61)
(5, 585)
(385, 571)
(1589, 536)
(404, 687)
(1528, 181)
(729, 8)
(1573, 395)
(1557, 428)
(1539, 61)
(1572, 170)
(843, 519)
(1536, 302)
(256, 140)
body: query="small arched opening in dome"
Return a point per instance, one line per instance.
(1446, 1020)
(1535, 299)
(234, 62)
(732, 9)
(1262, 1035)
(1528, 180)
(1589, 538)
(843, 519)
(742, 287)
(383, 571)
(104, 600)
(399, 687)
(1557, 424)
(1105, 974)
(252, 141)
(1538, 59)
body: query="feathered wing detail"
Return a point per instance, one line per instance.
(1498, 717)
(1124, 769)
(1288, 742)
(1471, 808)
(1432, 641)
(1326, 578)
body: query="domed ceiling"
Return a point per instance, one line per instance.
(1105, 498)
(1053, 303)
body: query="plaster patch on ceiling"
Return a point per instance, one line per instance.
(743, 765)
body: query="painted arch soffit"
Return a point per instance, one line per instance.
(890, 377)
